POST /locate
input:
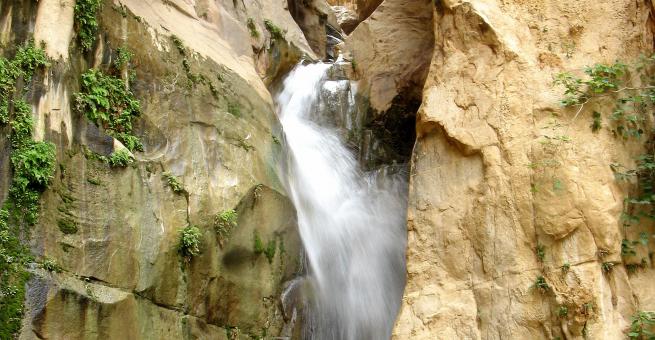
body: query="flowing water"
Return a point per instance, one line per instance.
(352, 223)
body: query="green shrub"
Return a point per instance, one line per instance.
(51, 265)
(123, 56)
(173, 183)
(189, 245)
(120, 158)
(562, 311)
(104, 100)
(86, 23)
(34, 164)
(542, 285)
(642, 326)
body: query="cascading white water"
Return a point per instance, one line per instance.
(352, 223)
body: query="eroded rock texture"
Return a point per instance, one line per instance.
(479, 209)
(208, 120)
(475, 76)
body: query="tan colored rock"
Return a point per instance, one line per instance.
(312, 17)
(346, 18)
(482, 200)
(392, 49)
(360, 9)
(54, 24)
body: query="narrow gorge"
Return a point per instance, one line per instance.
(327, 169)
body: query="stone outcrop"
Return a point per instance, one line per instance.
(391, 51)
(479, 209)
(351, 12)
(208, 120)
(486, 218)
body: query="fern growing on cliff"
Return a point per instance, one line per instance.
(86, 23)
(189, 244)
(104, 100)
(33, 165)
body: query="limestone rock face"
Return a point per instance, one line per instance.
(208, 120)
(352, 12)
(346, 17)
(481, 202)
(391, 50)
(478, 209)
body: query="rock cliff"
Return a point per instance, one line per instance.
(515, 226)
(107, 257)
(496, 209)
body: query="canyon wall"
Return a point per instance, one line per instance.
(489, 221)
(510, 192)
(107, 257)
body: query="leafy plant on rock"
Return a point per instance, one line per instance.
(33, 166)
(270, 250)
(225, 221)
(104, 100)
(120, 158)
(623, 98)
(541, 252)
(275, 31)
(258, 247)
(252, 28)
(541, 284)
(86, 22)
(189, 244)
(174, 183)
(641, 327)
(123, 56)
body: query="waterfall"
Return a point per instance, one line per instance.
(352, 223)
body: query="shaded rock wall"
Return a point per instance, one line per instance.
(211, 124)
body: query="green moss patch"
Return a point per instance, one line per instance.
(67, 226)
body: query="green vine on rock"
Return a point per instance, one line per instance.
(624, 96)
(86, 23)
(33, 166)
(630, 90)
(623, 99)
